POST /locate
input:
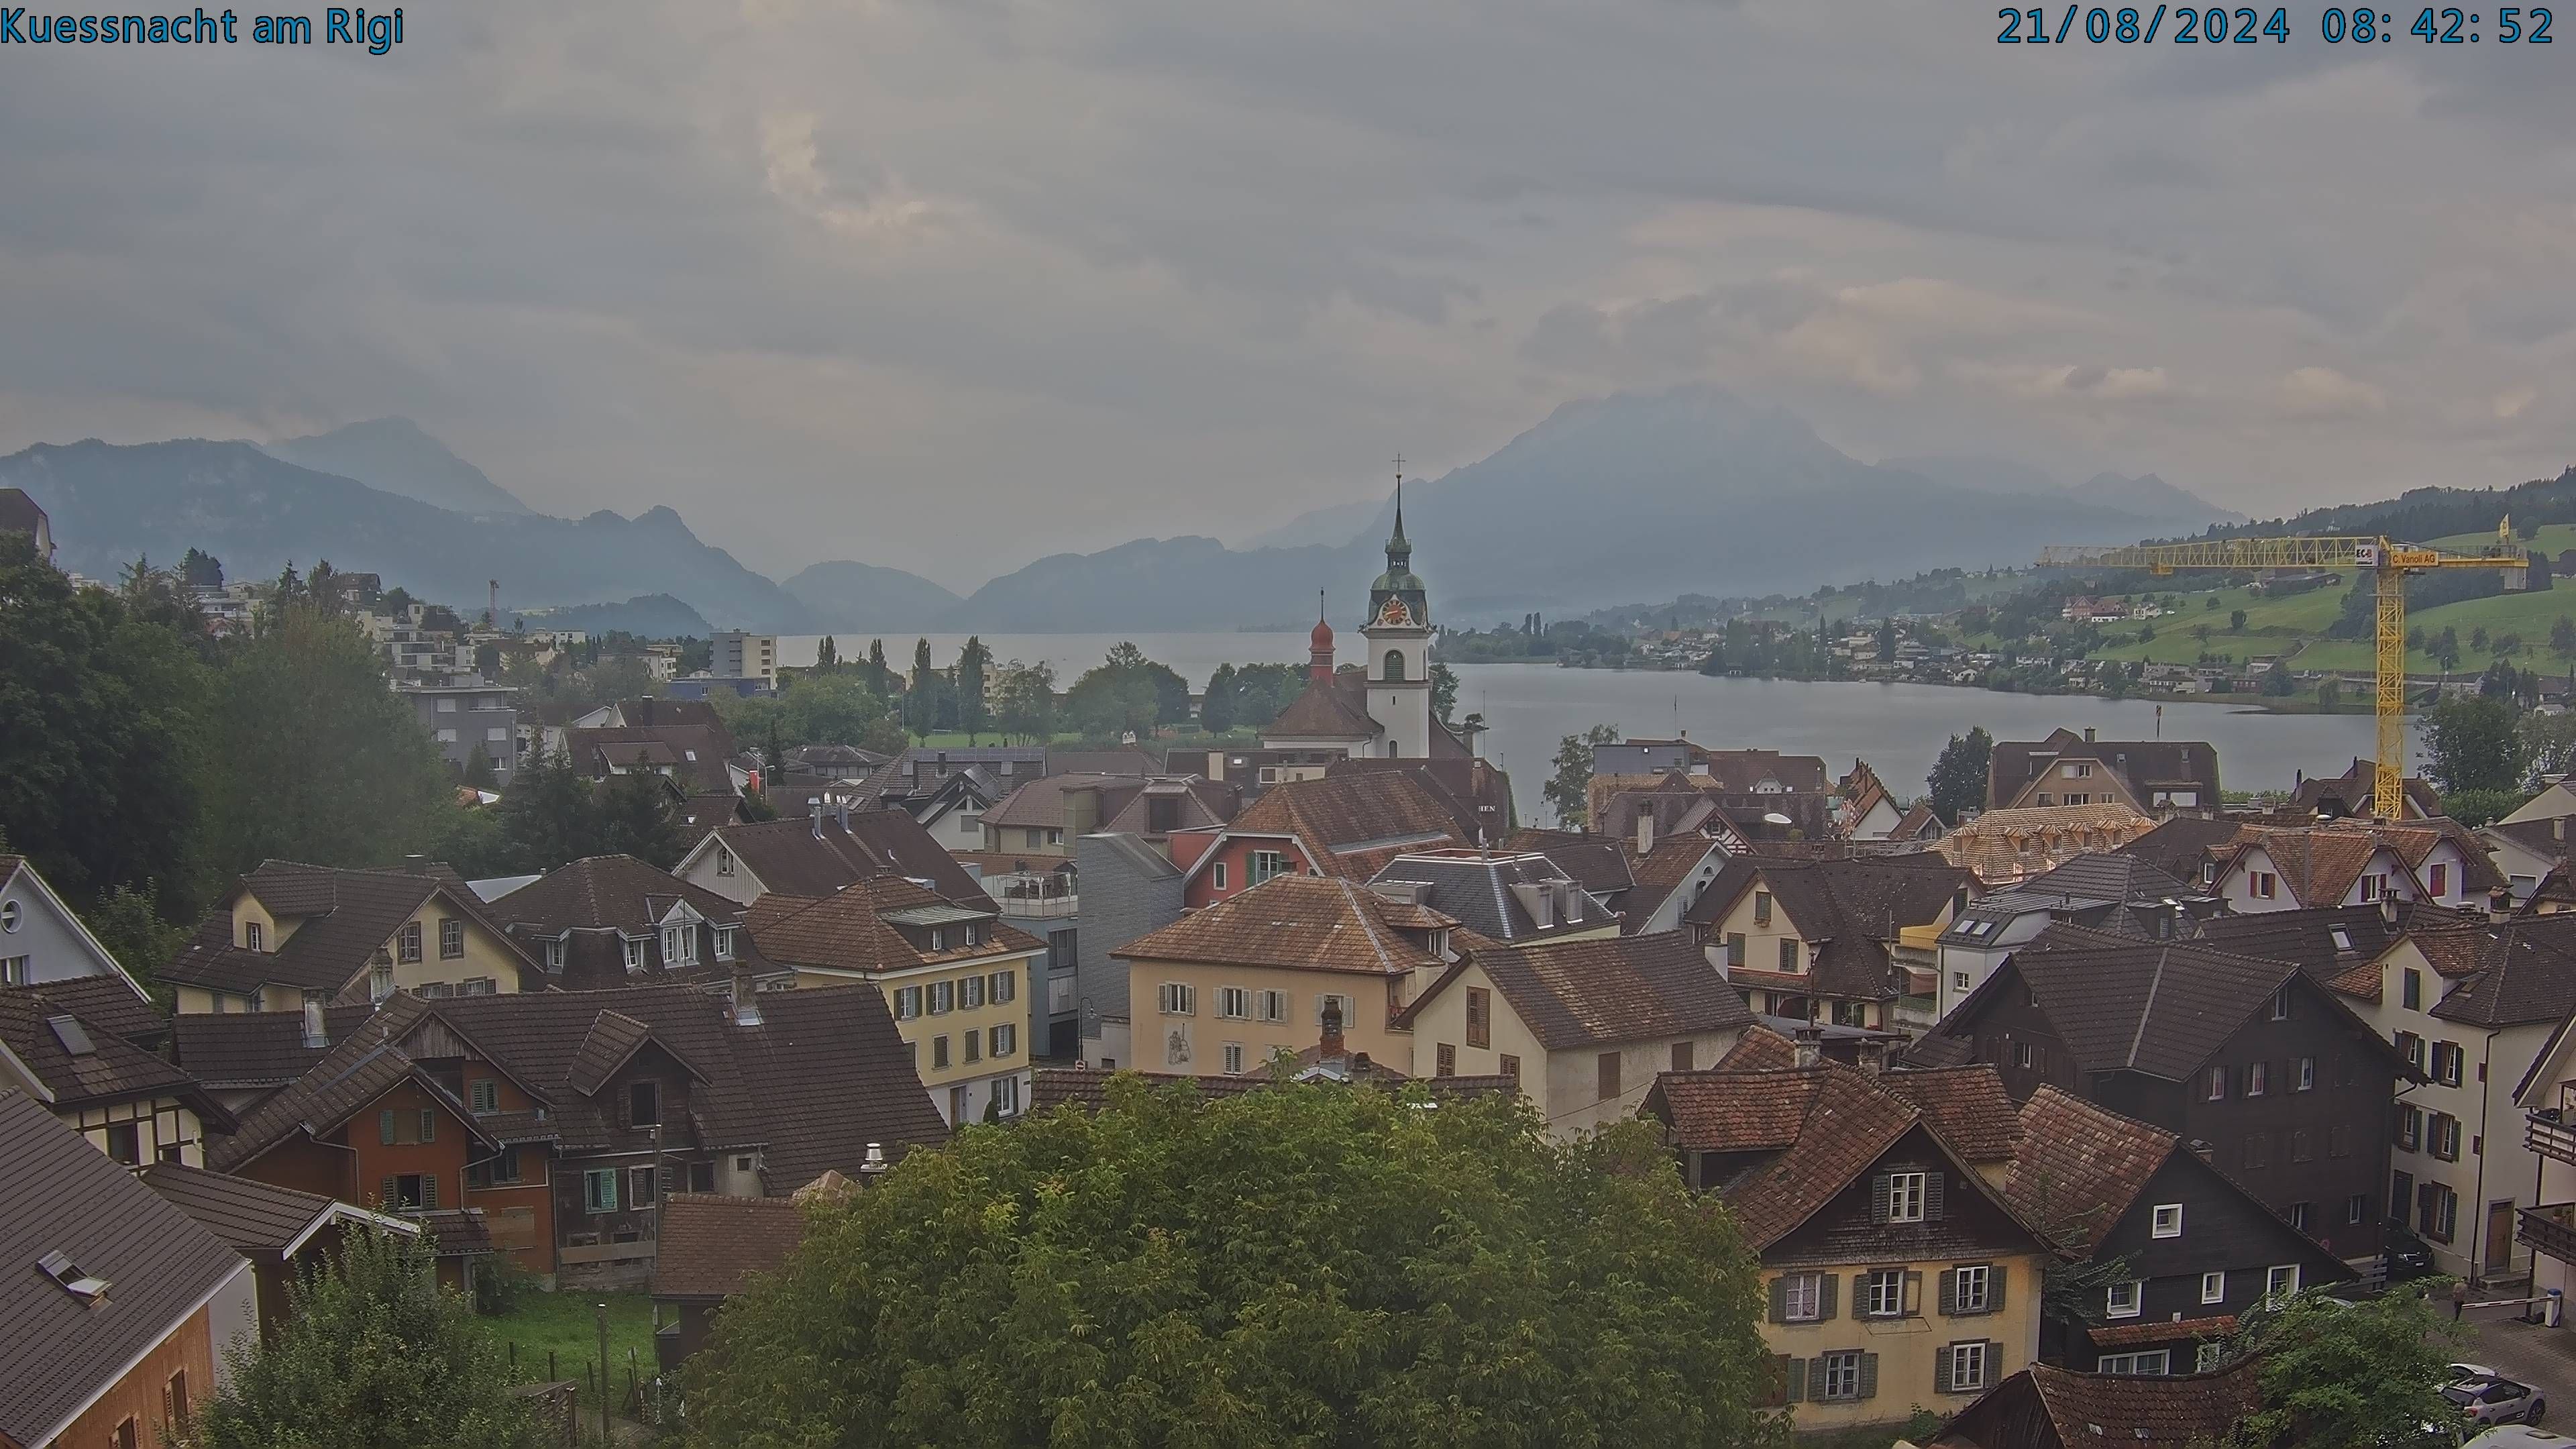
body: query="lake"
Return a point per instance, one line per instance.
(1898, 728)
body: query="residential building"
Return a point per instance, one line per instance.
(1648, 881)
(2007, 847)
(951, 974)
(2044, 1407)
(1680, 804)
(1896, 1273)
(43, 941)
(2293, 1092)
(2200, 1250)
(2270, 868)
(1583, 1024)
(1512, 899)
(467, 719)
(1826, 939)
(1345, 827)
(1130, 890)
(1869, 812)
(1226, 988)
(2524, 852)
(2116, 893)
(711, 1246)
(822, 854)
(564, 1116)
(60, 1047)
(948, 790)
(118, 1307)
(2349, 795)
(612, 920)
(21, 514)
(2470, 1003)
(2555, 802)
(2154, 777)
(282, 1232)
(2183, 847)
(740, 655)
(1042, 817)
(290, 935)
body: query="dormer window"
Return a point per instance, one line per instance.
(938, 938)
(679, 945)
(71, 1278)
(634, 952)
(555, 955)
(251, 936)
(724, 943)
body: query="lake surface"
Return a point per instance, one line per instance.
(1898, 728)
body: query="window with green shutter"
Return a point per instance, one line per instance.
(599, 1190)
(385, 1125)
(428, 1124)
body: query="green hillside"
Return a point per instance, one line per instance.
(2295, 626)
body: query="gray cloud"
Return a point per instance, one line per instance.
(861, 277)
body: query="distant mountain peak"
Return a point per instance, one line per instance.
(396, 455)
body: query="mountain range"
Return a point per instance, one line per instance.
(1630, 496)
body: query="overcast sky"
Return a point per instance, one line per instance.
(950, 284)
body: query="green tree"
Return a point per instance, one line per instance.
(1024, 701)
(2472, 744)
(1958, 780)
(637, 815)
(831, 709)
(2278, 683)
(316, 759)
(1569, 791)
(974, 669)
(1887, 640)
(478, 768)
(2236, 621)
(1127, 693)
(102, 731)
(2562, 638)
(2446, 648)
(920, 701)
(201, 570)
(2478, 639)
(1217, 706)
(1444, 694)
(547, 815)
(827, 655)
(2346, 1375)
(128, 921)
(1318, 1265)
(374, 1353)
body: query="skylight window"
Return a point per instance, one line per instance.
(67, 1030)
(2342, 938)
(69, 1276)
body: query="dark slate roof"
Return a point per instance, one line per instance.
(2526, 973)
(1598, 863)
(2116, 877)
(252, 1217)
(2061, 1409)
(1965, 1105)
(695, 754)
(2180, 845)
(256, 1048)
(18, 512)
(2140, 764)
(799, 858)
(1608, 989)
(709, 1246)
(80, 1062)
(611, 891)
(818, 1078)
(457, 1232)
(346, 915)
(62, 1195)
(2323, 942)
(1475, 888)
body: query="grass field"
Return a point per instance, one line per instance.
(2298, 623)
(563, 1322)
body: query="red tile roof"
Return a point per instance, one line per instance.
(710, 1246)
(1295, 922)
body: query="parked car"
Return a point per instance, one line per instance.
(2518, 1436)
(2408, 1257)
(2455, 1373)
(2496, 1401)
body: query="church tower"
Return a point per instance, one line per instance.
(1398, 655)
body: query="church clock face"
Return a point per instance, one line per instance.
(1395, 615)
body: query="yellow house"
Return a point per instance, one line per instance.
(1824, 940)
(1583, 1025)
(290, 935)
(1895, 1274)
(1226, 988)
(954, 977)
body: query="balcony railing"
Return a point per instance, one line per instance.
(2551, 1230)
(2547, 1132)
(1040, 907)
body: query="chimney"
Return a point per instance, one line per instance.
(314, 1033)
(875, 1164)
(416, 864)
(844, 803)
(1645, 832)
(745, 1006)
(2387, 908)
(1330, 1049)
(1807, 1045)
(2499, 905)
(2088, 734)
(818, 817)
(2203, 1151)
(2558, 828)
(1873, 1057)
(644, 710)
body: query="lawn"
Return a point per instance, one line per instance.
(563, 1322)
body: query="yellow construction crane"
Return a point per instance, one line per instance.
(2385, 559)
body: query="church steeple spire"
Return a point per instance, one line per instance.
(1399, 549)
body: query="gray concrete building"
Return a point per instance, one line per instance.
(1128, 890)
(464, 716)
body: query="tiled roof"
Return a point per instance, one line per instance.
(1919, 823)
(346, 916)
(1476, 888)
(850, 930)
(2153, 1412)
(1760, 1048)
(695, 753)
(612, 891)
(710, 1246)
(2325, 942)
(2320, 863)
(1966, 1105)
(1297, 922)
(346, 1082)
(2081, 1166)
(1660, 872)
(1738, 1107)
(2158, 1007)
(1848, 1124)
(252, 1217)
(1342, 820)
(256, 1048)
(62, 1195)
(457, 1232)
(1324, 711)
(2109, 877)
(1598, 863)
(1605, 990)
(2352, 791)
(1040, 802)
(106, 1002)
(2120, 1335)
(613, 1037)
(797, 858)
(2525, 971)
(2140, 765)
(1743, 772)
(2180, 845)
(80, 1062)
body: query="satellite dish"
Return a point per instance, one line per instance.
(1776, 818)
